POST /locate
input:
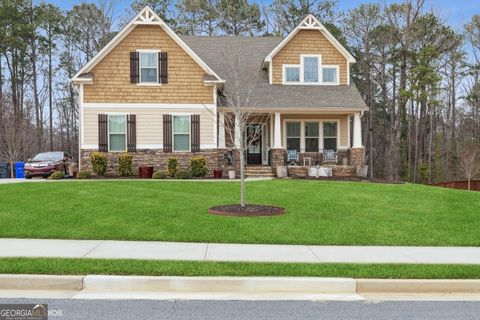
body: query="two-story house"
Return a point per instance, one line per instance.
(156, 95)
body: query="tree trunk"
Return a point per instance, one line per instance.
(243, 196)
(50, 107)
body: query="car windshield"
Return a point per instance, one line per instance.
(48, 156)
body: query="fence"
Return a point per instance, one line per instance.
(474, 185)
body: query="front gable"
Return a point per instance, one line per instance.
(107, 76)
(309, 38)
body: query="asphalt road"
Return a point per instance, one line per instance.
(239, 310)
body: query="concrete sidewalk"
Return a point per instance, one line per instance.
(154, 250)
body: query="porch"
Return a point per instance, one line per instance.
(306, 140)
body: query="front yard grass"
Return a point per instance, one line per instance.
(317, 212)
(194, 269)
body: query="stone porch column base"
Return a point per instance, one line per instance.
(357, 157)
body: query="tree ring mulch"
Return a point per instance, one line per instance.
(250, 210)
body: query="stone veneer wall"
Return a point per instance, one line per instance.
(279, 156)
(357, 157)
(157, 159)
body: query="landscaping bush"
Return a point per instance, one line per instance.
(198, 166)
(182, 174)
(125, 165)
(172, 166)
(99, 163)
(84, 175)
(57, 175)
(160, 175)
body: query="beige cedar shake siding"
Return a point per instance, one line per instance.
(149, 124)
(308, 42)
(319, 117)
(111, 76)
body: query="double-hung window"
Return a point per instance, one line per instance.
(149, 67)
(117, 128)
(293, 136)
(311, 136)
(310, 69)
(181, 133)
(330, 135)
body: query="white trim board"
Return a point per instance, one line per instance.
(145, 17)
(117, 106)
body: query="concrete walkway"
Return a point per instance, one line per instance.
(155, 250)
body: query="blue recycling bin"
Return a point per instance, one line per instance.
(20, 170)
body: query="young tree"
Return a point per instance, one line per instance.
(239, 17)
(470, 162)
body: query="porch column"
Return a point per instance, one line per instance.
(238, 133)
(277, 132)
(221, 130)
(357, 131)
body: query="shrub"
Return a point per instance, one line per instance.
(198, 166)
(125, 165)
(182, 174)
(99, 163)
(172, 166)
(57, 175)
(160, 175)
(84, 175)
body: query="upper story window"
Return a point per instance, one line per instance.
(148, 67)
(292, 74)
(311, 71)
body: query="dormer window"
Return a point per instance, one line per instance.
(330, 75)
(292, 74)
(310, 71)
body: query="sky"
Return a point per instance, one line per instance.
(456, 12)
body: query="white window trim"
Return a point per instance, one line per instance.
(295, 137)
(338, 133)
(337, 82)
(302, 71)
(108, 130)
(285, 66)
(320, 137)
(189, 115)
(151, 84)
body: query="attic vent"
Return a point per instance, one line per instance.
(147, 17)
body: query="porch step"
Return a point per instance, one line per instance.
(259, 171)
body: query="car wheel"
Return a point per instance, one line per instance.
(28, 177)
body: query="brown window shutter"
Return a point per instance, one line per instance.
(167, 133)
(134, 67)
(103, 133)
(163, 67)
(131, 133)
(195, 119)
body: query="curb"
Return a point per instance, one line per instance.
(40, 282)
(418, 286)
(220, 284)
(236, 285)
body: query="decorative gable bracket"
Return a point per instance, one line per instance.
(310, 22)
(147, 16)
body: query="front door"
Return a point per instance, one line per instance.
(254, 143)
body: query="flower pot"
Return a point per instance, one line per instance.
(217, 174)
(146, 172)
(231, 174)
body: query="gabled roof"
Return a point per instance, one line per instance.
(250, 52)
(145, 17)
(310, 23)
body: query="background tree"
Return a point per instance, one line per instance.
(470, 163)
(239, 17)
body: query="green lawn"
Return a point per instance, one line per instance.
(334, 213)
(189, 268)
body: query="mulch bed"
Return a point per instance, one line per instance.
(250, 210)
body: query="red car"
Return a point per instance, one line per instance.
(46, 163)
